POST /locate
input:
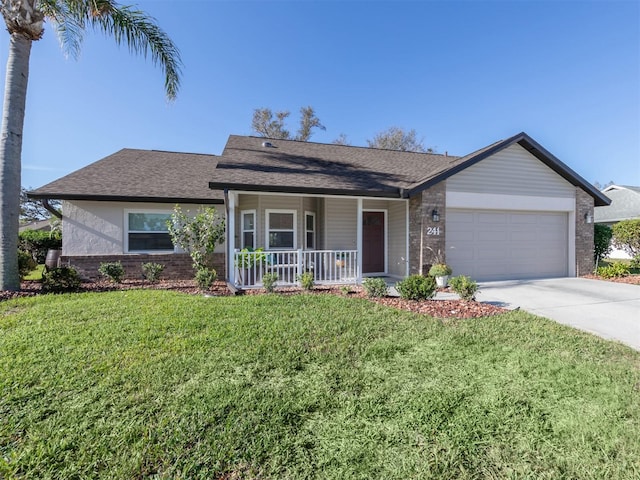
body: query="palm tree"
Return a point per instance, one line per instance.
(70, 18)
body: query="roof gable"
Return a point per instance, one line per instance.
(534, 148)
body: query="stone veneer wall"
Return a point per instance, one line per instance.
(177, 266)
(425, 247)
(584, 233)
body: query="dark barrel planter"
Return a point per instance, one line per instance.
(53, 258)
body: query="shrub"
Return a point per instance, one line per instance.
(60, 279)
(464, 287)
(635, 262)
(38, 242)
(375, 287)
(345, 290)
(269, 281)
(616, 269)
(306, 280)
(26, 263)
(440, 270)
(417, 287)
(626, 235)
(152, 271)
(601, 241)
(114, 271)
(205, 278)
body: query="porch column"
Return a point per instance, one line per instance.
(359, 241)
(231, 236)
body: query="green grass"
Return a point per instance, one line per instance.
(156, 384)
(35, 274)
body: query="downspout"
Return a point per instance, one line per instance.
(50, 209)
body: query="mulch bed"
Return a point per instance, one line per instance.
(433, 308)
(631, 279)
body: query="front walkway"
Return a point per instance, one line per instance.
(607, 309)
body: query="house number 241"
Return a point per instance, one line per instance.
(433, 230)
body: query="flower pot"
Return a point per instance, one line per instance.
(442, 281)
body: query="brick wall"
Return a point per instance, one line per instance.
(177, 266)
(426, 237)
(584, 233)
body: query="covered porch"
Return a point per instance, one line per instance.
(337, 239)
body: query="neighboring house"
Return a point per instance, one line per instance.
(625, 205)
(508, 211)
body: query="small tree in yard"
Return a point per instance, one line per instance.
(626, 235)
(601, 242)
(197, 235)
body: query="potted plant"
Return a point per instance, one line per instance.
(340, 258)
(441, 272)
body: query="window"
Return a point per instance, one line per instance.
(309, 230)
(281, 232)
(248, 228)
(147, 232)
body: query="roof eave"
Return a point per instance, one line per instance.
(395, 193)
(123, 198)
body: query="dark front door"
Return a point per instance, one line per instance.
(372, 242)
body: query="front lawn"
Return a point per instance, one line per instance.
(139, 384)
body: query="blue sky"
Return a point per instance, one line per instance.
(462, 74)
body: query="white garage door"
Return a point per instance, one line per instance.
(504, 245)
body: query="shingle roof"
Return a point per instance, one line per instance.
(306, 167)
(285, 166)
(139, 175)
(625, 204)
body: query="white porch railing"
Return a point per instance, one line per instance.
(327, 266)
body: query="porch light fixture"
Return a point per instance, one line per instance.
(435, 216)
(588, 217)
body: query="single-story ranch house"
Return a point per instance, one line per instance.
(510, 210)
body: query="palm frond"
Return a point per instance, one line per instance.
(125, 24)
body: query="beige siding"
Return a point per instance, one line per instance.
(341, 224)
(512, 171)
(97, 228)
(375, 204)
(397, 237)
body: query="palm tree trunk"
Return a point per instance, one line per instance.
(15, 95)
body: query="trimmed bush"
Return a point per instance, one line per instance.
(38, 242)
(417, 287)
(114, 271)
(60, 279)
(601, 241)
(375, 287)
(464, 287)
(205, 278)
(269, 281)
(616, 269)
(151, 271)
(306, 280)
(26, 263)
(635, 262)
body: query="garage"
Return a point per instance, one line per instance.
(504, 245)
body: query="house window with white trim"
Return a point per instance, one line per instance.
(309, 231)
(281, 229)
(148, 232)
(248, 228)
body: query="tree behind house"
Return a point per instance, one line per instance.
(396, 138)
(269, 125)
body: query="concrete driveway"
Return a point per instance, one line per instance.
(610, 310)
